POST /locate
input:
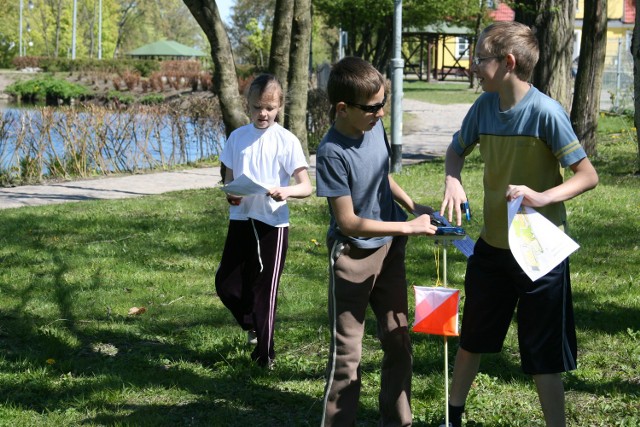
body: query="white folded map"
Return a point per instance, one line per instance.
(245, 186)
(536, 243)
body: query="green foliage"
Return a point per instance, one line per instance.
(120, 98)
(48, 89)
(252, 20)
(124, 25)
(7, 50)
(154, 98)
(369, 22)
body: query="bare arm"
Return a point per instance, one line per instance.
(400, 196)
(454, 193)
(300, 190)
(352, 225)
(584, 178)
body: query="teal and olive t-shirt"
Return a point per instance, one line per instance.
(529, 144)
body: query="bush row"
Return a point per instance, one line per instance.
(143, 66)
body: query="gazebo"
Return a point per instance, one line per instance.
(165, 49)
(431, 54)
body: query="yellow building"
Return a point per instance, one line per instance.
(621, 16)
(443, 52)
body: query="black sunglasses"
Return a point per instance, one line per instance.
(369, 108)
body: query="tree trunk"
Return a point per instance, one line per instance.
(225, 81)
(296, 120)
(553, 21)
(586, 98)
(635, 52)
(281, 43)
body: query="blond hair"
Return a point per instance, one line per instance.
(503, 38)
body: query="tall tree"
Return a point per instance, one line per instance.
(281, 42)
(296, 120)
(635, 52)
(224, 73)
(586, 98)
(553, 21)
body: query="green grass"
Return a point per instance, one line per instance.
(441, 92)
(71, 355)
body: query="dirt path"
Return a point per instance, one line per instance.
(429, 129)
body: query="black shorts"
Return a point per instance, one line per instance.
(494, 286)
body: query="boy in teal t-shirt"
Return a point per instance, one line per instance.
(525, 140)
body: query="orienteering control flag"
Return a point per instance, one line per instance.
(436, 310)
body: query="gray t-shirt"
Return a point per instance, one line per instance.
(358, 168)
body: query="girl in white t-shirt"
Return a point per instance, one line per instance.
(257, 239)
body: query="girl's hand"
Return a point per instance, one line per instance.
(279, 194)
(233, 200)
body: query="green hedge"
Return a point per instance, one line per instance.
(47, 89)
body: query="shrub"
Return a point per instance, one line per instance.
(154, 98)
(120, 98)
(22, 62)
(317, 117)
(46, 88)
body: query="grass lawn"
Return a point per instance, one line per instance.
(441, 92)
(71, 354)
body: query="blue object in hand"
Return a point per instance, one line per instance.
(464, 207)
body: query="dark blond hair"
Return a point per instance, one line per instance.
(352, 80)
(264, 83)
(503, 38)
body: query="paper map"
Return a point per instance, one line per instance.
(535, 242)
(244, 186)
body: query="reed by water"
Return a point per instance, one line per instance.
(56, 143)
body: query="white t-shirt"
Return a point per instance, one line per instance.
(267, 156)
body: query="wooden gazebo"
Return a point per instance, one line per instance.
(430, 55)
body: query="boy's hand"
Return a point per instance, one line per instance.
(530, 198)
(422, 226)
(454, 196)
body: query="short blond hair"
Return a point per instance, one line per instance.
(506, 37)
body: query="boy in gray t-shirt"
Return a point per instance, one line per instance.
(366, 241)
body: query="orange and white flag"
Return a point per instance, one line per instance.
(436, 310)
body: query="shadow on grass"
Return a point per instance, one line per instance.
(119, 369)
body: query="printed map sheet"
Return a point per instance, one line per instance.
(536, 243)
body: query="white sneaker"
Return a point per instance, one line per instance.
(252, 338)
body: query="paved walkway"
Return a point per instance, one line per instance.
(426, 135)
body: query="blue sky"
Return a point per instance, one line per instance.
(224, 6)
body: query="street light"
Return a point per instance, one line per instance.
(100, 30)
(22, 49)
(73, 32)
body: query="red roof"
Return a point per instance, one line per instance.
(504, 13)
(629, 16)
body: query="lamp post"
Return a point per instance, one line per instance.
(20, 32)
(73, 32)
(21, 48)
(100, 29)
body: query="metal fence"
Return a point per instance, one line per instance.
(617, 81)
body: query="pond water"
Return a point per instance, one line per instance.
(102, 140)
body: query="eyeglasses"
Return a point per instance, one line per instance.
(369, 108)
(478, 60)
